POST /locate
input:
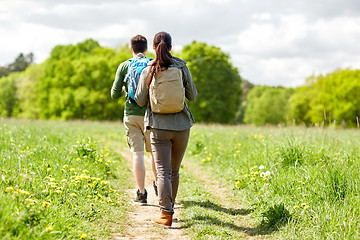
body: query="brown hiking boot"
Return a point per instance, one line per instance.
(164, 219)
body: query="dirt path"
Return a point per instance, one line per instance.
(140, 225)
(225, 199)
(139, 222)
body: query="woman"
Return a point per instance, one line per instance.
(169, 133)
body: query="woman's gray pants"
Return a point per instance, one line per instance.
(168, 148)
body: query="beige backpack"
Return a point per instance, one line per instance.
(167, 92)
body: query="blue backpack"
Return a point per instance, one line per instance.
(132, 77)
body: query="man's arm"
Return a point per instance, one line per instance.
(118, 83)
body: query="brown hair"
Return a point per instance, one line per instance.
(138, 44)
(162, 43)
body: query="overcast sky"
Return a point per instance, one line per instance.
(271, 42)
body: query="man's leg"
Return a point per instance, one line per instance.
(136, 143)
(139, 170)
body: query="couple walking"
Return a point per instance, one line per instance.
(156, 113)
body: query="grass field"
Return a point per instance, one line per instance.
(64, 180)
(296, 183)
(61, 181)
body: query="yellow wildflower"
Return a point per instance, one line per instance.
(83, 236)
(73, 195)
(48, 169)
(72, 169)
(66, 166)
(8, 189)
(49, 228)
(24, 192)
(295, 207)
(30, 201)
(45, 204)
(306, 207)
(58, 191)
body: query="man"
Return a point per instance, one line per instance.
(126, 79)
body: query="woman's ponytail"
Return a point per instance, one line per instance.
(162, 43)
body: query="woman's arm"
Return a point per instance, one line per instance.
(142, 92)
(190, 89)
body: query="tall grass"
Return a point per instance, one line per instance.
(302, 183)
(59, 181)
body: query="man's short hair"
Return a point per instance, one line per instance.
(139, 44)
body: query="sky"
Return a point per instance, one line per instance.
(270, 42)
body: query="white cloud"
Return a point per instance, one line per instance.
(117, 31)
(287, 52)
(269, 38)
(261, 16)
(274, 43)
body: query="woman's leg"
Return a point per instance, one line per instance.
(161, 145)
(179, 144)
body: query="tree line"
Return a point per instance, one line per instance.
(75, 81)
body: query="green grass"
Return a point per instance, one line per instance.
(277, 183)
(61, 180)
(296, 183)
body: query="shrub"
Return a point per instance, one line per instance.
(276, 216)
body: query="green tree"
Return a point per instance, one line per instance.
(328, 99)
(300, 101)
(21, 62)
(8, 100)
(217, 82)
(77, 80)
(268, 105)
(4, 71)
(246, 86)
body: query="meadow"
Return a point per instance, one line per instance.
(59, 180)
(289, 183)
(66, 180)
